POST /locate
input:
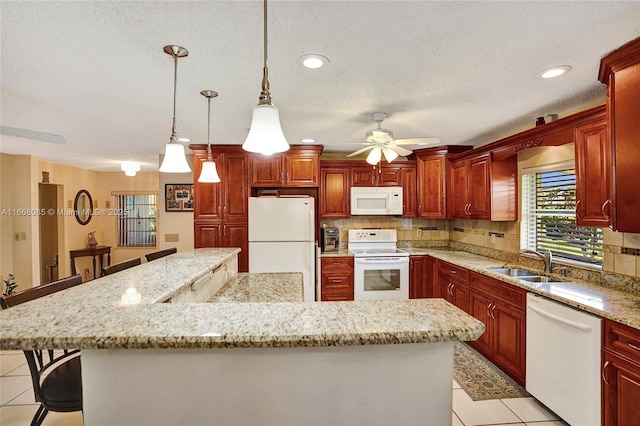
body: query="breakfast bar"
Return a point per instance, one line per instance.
(205, 345)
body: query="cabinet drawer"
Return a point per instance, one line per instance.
(336, 281)
(336, 263)
(622, 340)
(453, 273)
(499, 290)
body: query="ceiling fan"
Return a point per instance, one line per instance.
(32, 134)
(381, 141)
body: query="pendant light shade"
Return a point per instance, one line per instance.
(209, 173)
(174, 157)
(265, 135)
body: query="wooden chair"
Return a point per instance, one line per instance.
(108, 270)
(162, 253)
(57, 381)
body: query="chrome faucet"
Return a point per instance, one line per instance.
(546, 257)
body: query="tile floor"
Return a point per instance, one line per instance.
(17, 403)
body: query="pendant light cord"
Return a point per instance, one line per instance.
(265, 95)
(209, 157)
(174, 136)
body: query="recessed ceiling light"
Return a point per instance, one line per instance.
(307, 140)
(554, 72)
(312, 61)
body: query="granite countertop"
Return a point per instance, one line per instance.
(606, 302)
(92, 315)
(262, 288)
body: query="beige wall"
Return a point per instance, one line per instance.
(180, 223)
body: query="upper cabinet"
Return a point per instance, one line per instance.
(298, 167)
(620, 70)
(593, 172)
(334, 192)
(482, 188)
(432, 180)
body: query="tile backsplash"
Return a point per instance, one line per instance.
(495, 239)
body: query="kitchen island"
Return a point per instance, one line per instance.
(247, 361)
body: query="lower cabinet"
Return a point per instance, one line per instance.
(224, 234)
(336, 278)
(502, 309)
(422, 277)
(620, 375)
(453, 284)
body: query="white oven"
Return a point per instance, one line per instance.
(381, 271)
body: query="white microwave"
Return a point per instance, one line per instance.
(383, 200)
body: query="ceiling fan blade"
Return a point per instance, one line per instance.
(32, 134)
(360, 151)
(416, 141)
(400, 150)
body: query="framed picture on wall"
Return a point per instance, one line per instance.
(178, 197)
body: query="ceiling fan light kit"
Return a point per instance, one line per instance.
(265, 134)
(209, 173)
(175, 160)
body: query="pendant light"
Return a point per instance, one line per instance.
(265, 135)
(209, 174)
(174, 159)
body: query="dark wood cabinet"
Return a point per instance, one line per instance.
(620, 375)
(593, 173)
(484, 189)
(421, 277)
(453, 284)
(432, 180)
(336, 278)
(298, 167)
(382, 174)
(502, 309)
(620, 70)
(221, 209)
(334, 192)
(409, 178)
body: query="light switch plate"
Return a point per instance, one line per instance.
(171, 238)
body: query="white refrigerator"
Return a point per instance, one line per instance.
(281, 238)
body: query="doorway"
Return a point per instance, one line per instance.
(50, 201)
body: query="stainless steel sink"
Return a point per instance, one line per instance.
(513, 272)
(539, 279)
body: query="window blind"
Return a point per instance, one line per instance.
(549, 216)
(136, 220)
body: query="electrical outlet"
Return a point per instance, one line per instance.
(16, 236)
(69, 204)
(107, 204)
(419, 232)
(493, 239)
(171, 238)
(23, 236)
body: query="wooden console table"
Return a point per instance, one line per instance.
(93, 252)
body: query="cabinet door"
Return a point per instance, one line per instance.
(207, 204)
(431, 187)
(336, 286)
(301, 169)
(267, 171)
(417, 277)
(458, 190)
(237, 235)
(593, 173)
(508, 351)
(334, 193)
(236, 186)
(479, 308)
(363, 176)
(207, 234)
(479, 188)
(460, 296)
(409, 191)
(389, 175)
(621, 391)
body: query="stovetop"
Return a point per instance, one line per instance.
(374, 242)
(365, 252)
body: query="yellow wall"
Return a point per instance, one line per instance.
(180, 223)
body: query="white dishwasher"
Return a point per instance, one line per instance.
(563, 360)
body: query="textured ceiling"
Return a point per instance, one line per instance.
(95, 72)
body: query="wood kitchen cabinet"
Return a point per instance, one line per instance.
(336, 278)
(298, 167)
(334, 192)
(620, 70)
(620, 375)
(453, 284)
(481, 188)
(593, 173)
(432, 180)
(502, 309)
(221, 209)
(421, 277)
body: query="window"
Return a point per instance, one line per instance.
(136, 220)
(549, 216)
